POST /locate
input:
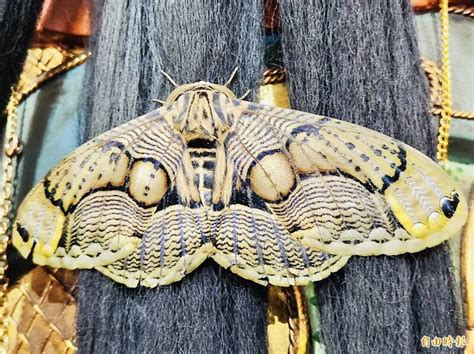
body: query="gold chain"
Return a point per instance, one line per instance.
(11, 149)
(446, 103)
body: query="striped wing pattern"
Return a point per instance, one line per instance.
(283, 197)
(349, 190)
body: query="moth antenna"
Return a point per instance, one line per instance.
(244, 96)
(169, 78)
(159, 101)
(232, 77)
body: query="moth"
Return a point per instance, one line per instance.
(275, 195)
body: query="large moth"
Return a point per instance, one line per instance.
(277, 196)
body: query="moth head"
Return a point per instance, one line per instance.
(199, 113)
(197, 87)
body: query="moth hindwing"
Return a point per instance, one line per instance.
(275, 195)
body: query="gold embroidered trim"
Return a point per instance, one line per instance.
(41, 65)
(446, 96)
(11, 148)
(464, 10)
(274, 76)
(42, 312)
(288, 323)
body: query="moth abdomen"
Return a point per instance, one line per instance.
(203, 159)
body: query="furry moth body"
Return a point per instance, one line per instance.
(275, 195)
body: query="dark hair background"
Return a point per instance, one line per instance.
(211, 310)
(354, 60)
(359, 61)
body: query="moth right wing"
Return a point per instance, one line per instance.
(339, 187)
(251, 241)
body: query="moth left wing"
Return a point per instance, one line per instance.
(93, 207)
(339, 187)
(174, 242)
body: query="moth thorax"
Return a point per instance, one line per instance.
(201, 114)
(202, 121)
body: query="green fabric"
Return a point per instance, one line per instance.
(313, 313)
(49, 122)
